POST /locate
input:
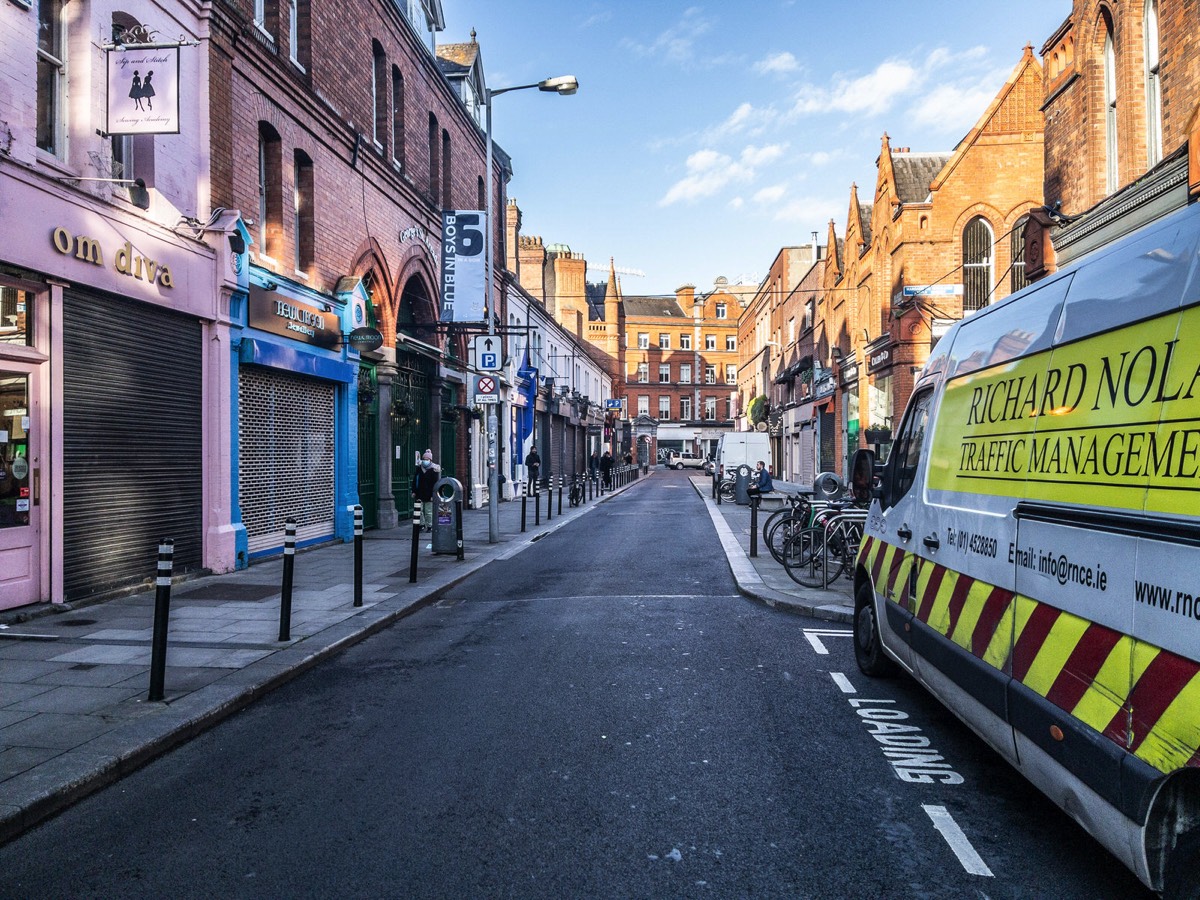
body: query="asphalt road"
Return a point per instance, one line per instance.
(600, 715)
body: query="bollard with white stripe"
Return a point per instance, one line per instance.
(358, 550)
(162, 615)
(289, 561)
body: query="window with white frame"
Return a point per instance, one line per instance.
(664, 342)
(791, 330)
(710, 409)
(664, 373)
(720, 310)
(685, 373)
(731, 342)
(643, 373)
(685, 408)
(710, 342)
(1154, 138)
(51, 76)
(664, 407)
(643, 340)
(1111, 172)
(710, 374)
(731, 373)
(643, 405)
(685, 342)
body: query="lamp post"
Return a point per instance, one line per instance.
(564, 85)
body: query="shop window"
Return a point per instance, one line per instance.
(51, 76)
(16, 317)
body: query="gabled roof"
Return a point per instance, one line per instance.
(653, 308)
(914, 172)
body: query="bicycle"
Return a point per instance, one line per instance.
(575, 497)
(826, 550)
(785, 522)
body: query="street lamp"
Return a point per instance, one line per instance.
(564, 85)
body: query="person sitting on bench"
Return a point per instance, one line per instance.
(760, 482)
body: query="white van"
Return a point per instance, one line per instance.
(737, 448)
(1032, 551)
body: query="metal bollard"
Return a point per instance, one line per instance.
(358, 550)
(458, 526)
(560, 487)
(162, 615)
(717, 487)
(289, 562)
(524, 502)
(416, 544)
(537, 506)
(754, 528)
(589, 486)
(549, 499)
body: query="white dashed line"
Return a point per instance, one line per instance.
(843, 682)
(958, 842)
(814, 635)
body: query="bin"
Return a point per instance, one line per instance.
(741, 484)
(447, 504)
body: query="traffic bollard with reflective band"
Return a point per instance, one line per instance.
(549, 499)
(358, 551)
(560, 489)
(524, 503)
(537, 505)
(289, 561)
(416, 543)
(162, 615)
(753, 527)
(458, 526)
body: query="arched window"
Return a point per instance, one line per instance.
(1111, 175)
(1016, 249)
(447, 174)
(977, 264)
(1154, 137)
(435, 175)
(303, 219)
(379, 94)
(398, 116)
(270, 192)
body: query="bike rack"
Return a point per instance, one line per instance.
(839, 523)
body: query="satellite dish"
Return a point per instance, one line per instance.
(761, 426)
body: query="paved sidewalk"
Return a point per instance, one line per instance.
(74, 678)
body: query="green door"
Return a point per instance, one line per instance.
(368, 445)
(410, 426)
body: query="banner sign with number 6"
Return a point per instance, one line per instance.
(464, 278)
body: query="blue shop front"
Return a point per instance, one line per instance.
(295, 410)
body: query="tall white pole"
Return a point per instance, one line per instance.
(496, 409)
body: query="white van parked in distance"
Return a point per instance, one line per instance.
(1031, 553)
(743, 448)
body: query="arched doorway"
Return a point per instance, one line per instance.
(412, 410)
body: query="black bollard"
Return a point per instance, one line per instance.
(458, 525)
(289, 562)
(162, 615)
(754, 528)
(524, 501)
(537, 506)
(549, 499)
(416, 544)
(588, 487)
(560, 487)
(358, 565)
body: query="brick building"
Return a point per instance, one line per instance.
(1122, 116)
(942, 236)
(341, 135)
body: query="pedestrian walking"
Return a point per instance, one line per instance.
(594, 462)
(606, 464)
(533, 463)
(423, 481)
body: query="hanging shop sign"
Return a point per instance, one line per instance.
(464, 276)
(365, 339)
(848, 374)
(143, 90)
(879, 354)
(292, 319)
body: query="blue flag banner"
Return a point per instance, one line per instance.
(527, 375)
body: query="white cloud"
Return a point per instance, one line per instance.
(709, 171)
(956, 106)
(777, 64)
(772, 194)
(677, 43)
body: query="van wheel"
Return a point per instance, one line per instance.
(1182, 879)
(868, 647)
(678, 467)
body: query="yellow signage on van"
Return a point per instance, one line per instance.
(1115, 417)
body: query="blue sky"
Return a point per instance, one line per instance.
(704, 137)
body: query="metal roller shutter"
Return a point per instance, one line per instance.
(131, 442)
(285, 456)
